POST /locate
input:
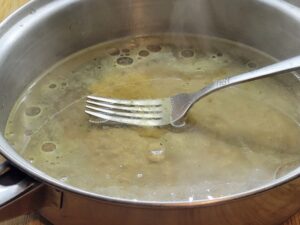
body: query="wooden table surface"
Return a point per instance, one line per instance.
(6, 7)
(36, 220)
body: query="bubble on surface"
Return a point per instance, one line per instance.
(114, 51)
(63, 84)
(48, 147)
(33, 111)
(52, 86)
(154, 48)
(187, 53)
(124, 61)
(125, 50)
(64, 179)
(31, 160)
(156, 155)
(143, 53)
(139, 175)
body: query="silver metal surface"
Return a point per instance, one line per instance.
(46, 31)
(260, 209)
(36, 198)
(13, 183)
(160, 112)
(148, 112)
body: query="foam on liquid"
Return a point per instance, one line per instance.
(236, 139)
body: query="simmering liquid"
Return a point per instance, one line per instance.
(234, 140)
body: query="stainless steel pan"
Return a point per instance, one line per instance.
(44, 32)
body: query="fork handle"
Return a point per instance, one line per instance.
(287, 65)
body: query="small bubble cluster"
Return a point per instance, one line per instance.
(123, 54)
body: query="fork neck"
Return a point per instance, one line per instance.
(196, 96)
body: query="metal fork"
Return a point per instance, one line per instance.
(172, 110)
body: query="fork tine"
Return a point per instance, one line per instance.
(126, 114)
(127, 108)
(126, 120)
(152, 102)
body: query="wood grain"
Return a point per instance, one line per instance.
(7, 7)
(36, 220)
(25, 220)
(295, 220)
